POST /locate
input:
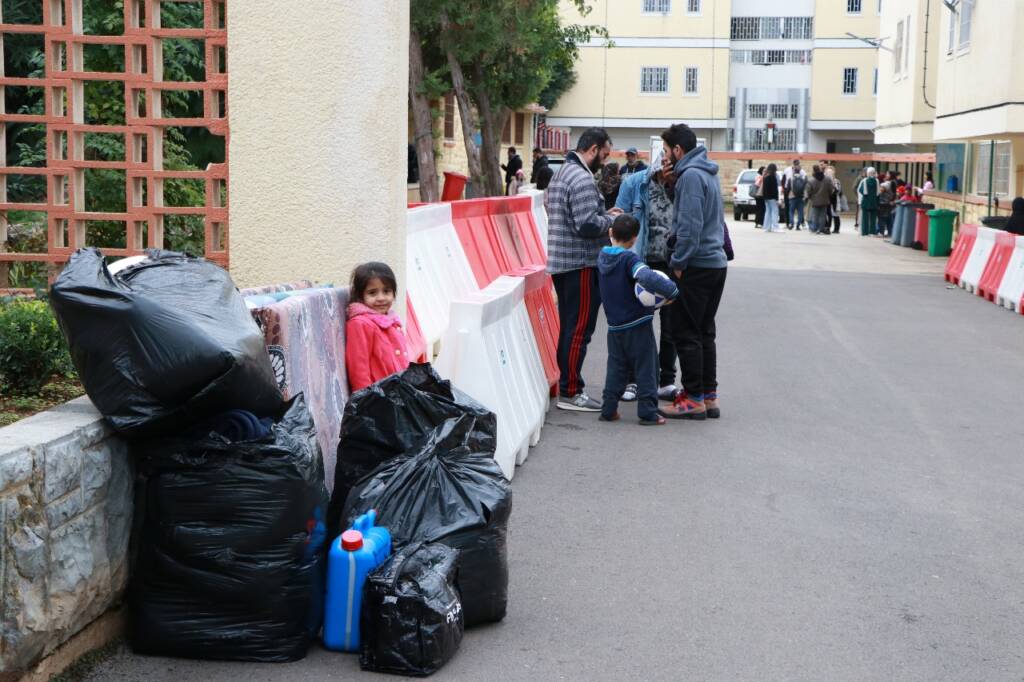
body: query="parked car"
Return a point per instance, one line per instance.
(743, 203)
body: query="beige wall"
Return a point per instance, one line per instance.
(827, 99)
(832, 21)
(981, 76)
(902, 115)
(303, 96)
(624, 18)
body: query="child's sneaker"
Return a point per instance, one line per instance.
(657, 421)
(711, 405)
(685, 407)
(613, 418)
(629, 395)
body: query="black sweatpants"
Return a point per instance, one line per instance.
(666, 347)
(631, 353)
(693, 327)
(579, 299)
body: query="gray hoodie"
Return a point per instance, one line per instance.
(698, 222)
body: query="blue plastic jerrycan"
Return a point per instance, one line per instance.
(353, 555)
(380, 536)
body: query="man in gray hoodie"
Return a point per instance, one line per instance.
(698, 263)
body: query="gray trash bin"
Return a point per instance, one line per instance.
(897, 222)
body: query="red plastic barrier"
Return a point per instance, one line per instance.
(454, 184)
(417, 344)
(480, 240)
(543, 311)
(513, 218)
(961, 252)
(995, 268)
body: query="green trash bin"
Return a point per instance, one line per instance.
(940, 231)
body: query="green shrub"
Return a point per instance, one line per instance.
(32, 348)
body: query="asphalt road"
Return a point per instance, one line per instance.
(855, 514)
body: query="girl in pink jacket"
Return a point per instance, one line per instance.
(375, 343)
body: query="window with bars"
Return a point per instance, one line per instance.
(693, 6)
(853, 6)
(690, 80)
(966, 10)
(1000, 169)
(449, 116)
(897, 49)
(798, 28)
(732, 107)
(730, 138)
(757, 111)
(756, 140)
(775, 57)
(850, 81)
(794, 111)
(771, 56)
(770, 28)
(654, 80)
(798, 56)
(779, 110)
(657, 6)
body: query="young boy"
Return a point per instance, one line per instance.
(632, 351)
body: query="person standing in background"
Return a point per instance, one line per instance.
(758, 198)
(770, 192)
(633, 163)
(885, 204)
(929, 183)
(609, 184)
(868, 191)
(792, 172)
(515, 163)
(539, 161)
(819, 196)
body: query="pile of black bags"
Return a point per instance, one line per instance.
(230, 501)
(421, 453)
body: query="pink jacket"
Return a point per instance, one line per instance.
(375, 346)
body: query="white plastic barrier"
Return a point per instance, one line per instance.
(490, 353)
(540, 215)
(978, 259)
(437, 269)
(1011, 289)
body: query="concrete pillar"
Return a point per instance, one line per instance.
(741, 120)
(317, 158)
(803, 118)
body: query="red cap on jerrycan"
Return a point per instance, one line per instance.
(351, 540)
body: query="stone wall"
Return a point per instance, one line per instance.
(65, 513)
(971, 208)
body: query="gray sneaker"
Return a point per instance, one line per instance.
(668, 393)
(580, 402)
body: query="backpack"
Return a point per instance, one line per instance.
(799, 185)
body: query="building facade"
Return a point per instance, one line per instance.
(746, 75)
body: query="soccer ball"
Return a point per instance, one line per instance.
(650, 299)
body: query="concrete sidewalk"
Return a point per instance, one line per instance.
(855, 514)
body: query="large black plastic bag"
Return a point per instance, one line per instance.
(448, 492)
(394, 417)
(231, 545)
(162, 343)
(411, 621)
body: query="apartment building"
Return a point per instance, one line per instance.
(745, 74)
(950, 81)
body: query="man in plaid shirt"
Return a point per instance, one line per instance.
(577, 230)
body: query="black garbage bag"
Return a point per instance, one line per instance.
(448, 492)
(411, 621)
(394, 417)
(162, 343)
(230, 545)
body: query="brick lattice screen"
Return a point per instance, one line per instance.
(63, 86)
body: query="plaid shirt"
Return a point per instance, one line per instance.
(577, 223)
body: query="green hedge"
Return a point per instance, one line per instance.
(32, 347)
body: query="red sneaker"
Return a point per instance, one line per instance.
(685, 407)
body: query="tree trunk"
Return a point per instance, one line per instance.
(423, 121)
(491, 124)
(476, 173)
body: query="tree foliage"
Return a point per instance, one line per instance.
(511, 52)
